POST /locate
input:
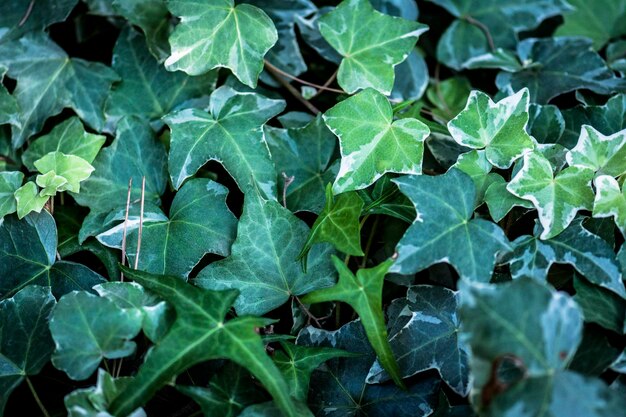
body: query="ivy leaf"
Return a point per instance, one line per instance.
(147, 90)
(217, 33)
(567, 64)
(337, 224)
(371, 44)
(175, 246)
(48, 80)
(28, 254)
(372, 144)
(200, 333)
(9, 109)
(338, 388)
(423, 329)
(601, 21)
(87, 328)
(29, 200)
(231, 132)
(304, 153)
(546, 123)
(134, 153)
(475, 164)
(600, 305)
(40, 15)
(445, 204)
(263, 264)
(68, 137)
(586, 252)
(608, 119)
(449, 97)
(556, 198)
(610, 201)
(10, 182)
(363, 292)
(500, 201)
(499, 128)
(73, 169)
(25, 342)
(603, 154)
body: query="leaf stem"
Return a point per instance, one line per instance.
(143, 198)
(278, 76)
(37, 399)
(130, 187)
(324, 87)
(29, 10)
(480, 25)
(287, 182)
(370, 239)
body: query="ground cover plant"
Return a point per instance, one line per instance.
(334, 208)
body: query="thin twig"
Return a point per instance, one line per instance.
(288, 181)
(27, 14)
(484, 29)
(277, 70)
(143, 195)
(328, 82)
(294, 92)
(37, 399)
(307, 312)
(368, 245)
(130, 187)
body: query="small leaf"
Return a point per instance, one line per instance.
(475, 164)
(28, 199)
(600, 153)
(73, 169)
(610, 201)
(608, 119)
(500, 201)
(10, 182)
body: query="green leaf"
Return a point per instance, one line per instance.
(558, 66)
(9, 109)
(601, 21)
(600, 306)
(475, 164)
(423, 329)
(338, 388)
(13, 23)
(603, 154)
(175, 246)
(449, 97)
(10, 182)
(610, 201)
(500, 201)
(546, 123)
(87, 328)
(229, 131)
(28, 199)
(153, 18)
(51, 183)
(372, 144)
(25, 342)
(48, 80)
(608, 119)
(371, 44)
(576, 246)
(200, 333)
(27, 257)
(263, 264)
(68, 137)
(363, 292)
(134, 153)
(304, 153)
(298, 362)
(147, 90)
(73, 169)
(216, 33)
(557, 198)
(445, 205)
(337, 224)
(499, 128)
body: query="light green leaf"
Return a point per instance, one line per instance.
(603, 154)
(556, 198)
(50, 183)
(10, 182)
(73, 169)
(445, 205)
(216, 33)
(371, 44)
(610, 201)
(175, 246)
(372, 144)
(600, 20)
(586, 252)
(200, 333)
(229, 131)
(147, 90)
(499, 128)
(153, 18)
(500, 201)
(87, 328)
(68, 137)
(134, 153)
(363, 292)
(40, 15)
(337, 224)
(475, 164)
(423, 330)
(28, 200)
(263, 264)
(25, 342)
(48, 80)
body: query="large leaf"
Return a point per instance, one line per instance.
(147, 90)
(229, 131)
(25, 342)
(153, 18)
(371, 142)
(445, 204)
(564, 64)
(200, 333)
(338, 389)
(87, 328)
(370, 42)
(19, 17)
(499, 128)
(175, 246)
(48, 80)
(601, 20)
(600, 305)
(28, 256)
(216, 33)
(557, 198)
(263, 264)
(423, 330)
(363, 292)
(600, 153)
(610, 201)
